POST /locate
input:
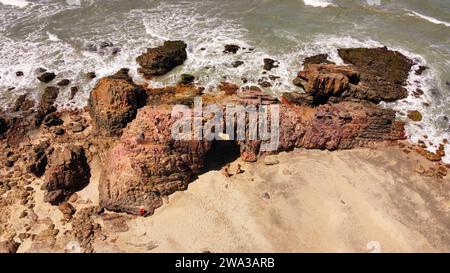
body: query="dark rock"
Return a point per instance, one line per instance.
(5, 125)
(9, 163)
(19, 73)
(231, 49)
(270, 63)
(186, 79)
(263, 82)
(336, 83)
(59, 131)
(23, 104)
(114, 102)
(68, 172)
(317, 59)
(47, 77)
(37, 159)
(91, 75)
(115, 51)
(63, 82)
(105, 44)
(237, 64)
(40, 70)
(420, 70)
(391, 66)
(160, 60)
(10, 246)
(73, 91)
(45, 106)
(52, 120)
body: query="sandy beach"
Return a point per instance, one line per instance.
(363, 200)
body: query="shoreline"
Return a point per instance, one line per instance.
(69, 176)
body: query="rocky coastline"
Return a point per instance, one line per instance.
(123, 137)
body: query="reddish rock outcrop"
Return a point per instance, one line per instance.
(149, 164)
(113, 103)
(68, 172)
(160, 60)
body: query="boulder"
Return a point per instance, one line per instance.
(160, 60)
(231, 49)
(45, 106)
(415, 116)
(317, 59)
(269, 64)
(63, 82)
(47, 77)
(114, 102)
(186, 79)
(67, 173)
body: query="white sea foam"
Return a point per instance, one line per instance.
(318, 3)
(428, 18)
(208, 31)
(17, 3)
(52, 37)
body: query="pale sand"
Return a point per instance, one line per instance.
(347, 201)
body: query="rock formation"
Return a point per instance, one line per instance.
(160, 60)
(375, 75)
(67, 173)
(46, 106)
(113, 103)
(148, 164)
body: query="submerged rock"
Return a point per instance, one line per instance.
(160, 60)
(237, 63)
(415, 116)
(231, 49)
(186, 79)
(114, 102)
(47, 77)
(317, 59)
(68, 172)
(269, 64)
(63, 82)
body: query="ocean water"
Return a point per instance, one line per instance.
(57, 35)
